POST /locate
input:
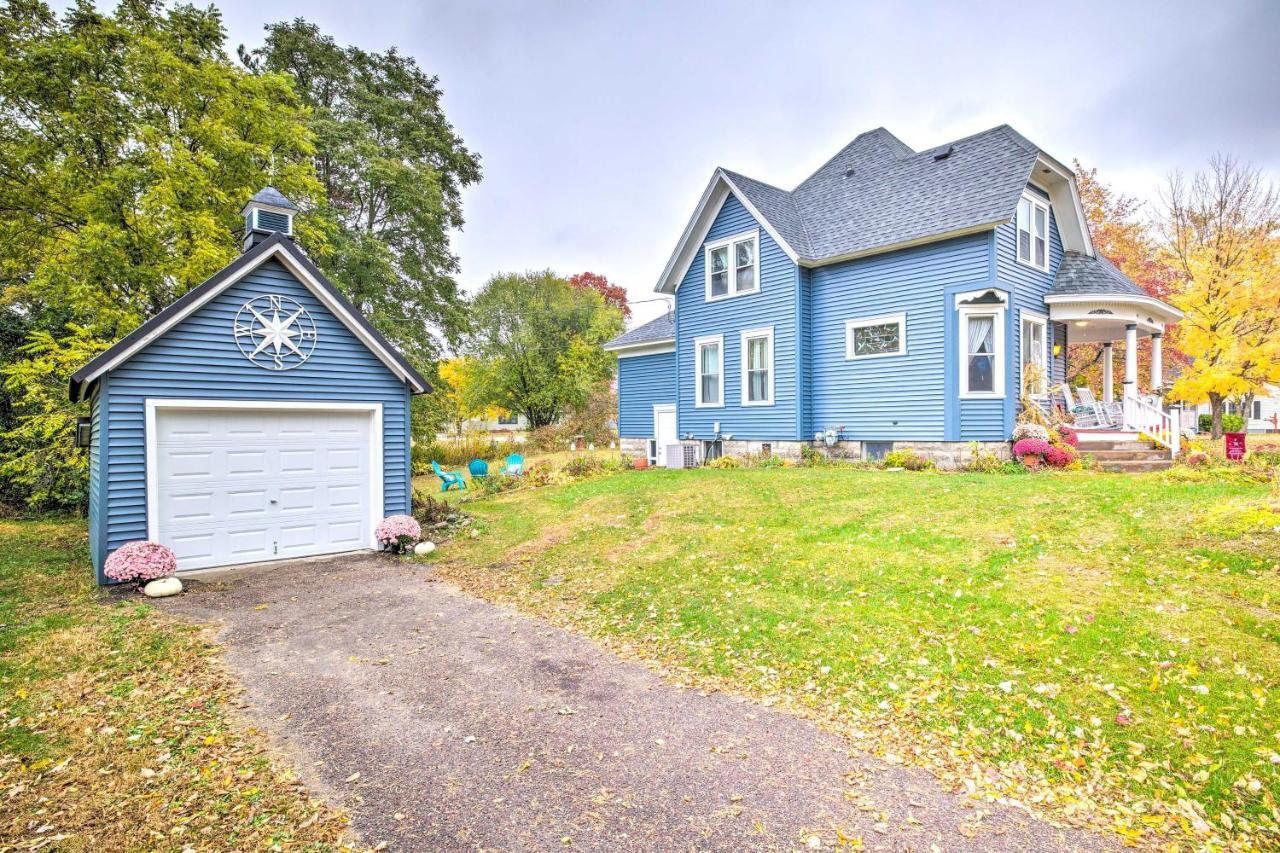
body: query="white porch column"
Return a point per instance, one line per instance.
(1157, 366)
(1131, 360)
(1108, 377)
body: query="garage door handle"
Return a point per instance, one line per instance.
(274, 501)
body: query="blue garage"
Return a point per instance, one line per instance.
(259, 417)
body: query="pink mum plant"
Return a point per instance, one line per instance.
(398, 532)
(1031, 451)
(1069, 435)
(139, 562)
(1060, 456)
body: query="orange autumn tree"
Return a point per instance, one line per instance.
(1120, 235)
(613, 294)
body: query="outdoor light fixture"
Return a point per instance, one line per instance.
(83, 431)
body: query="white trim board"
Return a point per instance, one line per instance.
(377, 472)
(280, 253)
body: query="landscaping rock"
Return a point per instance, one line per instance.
(424, 548)
(162, 587)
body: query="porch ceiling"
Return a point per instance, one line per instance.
(1099, 319)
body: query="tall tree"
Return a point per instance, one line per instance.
(1219, 231)
(1121, 233)
(128, 143)
(393, 170)
(537, 340)
(613, 294)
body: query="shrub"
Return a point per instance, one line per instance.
(908, 459)
(725, 462)
(1230, 423)
(140, 561)
(1029, 430)
(1068, 436)
(429, 511)
(813, 457)
(398, 533)
(460, 451)
(1060, 456)
(1269, 458)
(581, 466)
(983, 461)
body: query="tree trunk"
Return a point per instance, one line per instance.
(1216, 404)
(1246, 409)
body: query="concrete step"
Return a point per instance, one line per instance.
(1095, 446)
(1133, 466)
(1146, 453)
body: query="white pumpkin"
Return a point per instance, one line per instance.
(424, 548)
(162, 587)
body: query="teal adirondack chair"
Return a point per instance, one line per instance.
(515, 465)
(447, 479)
(478, 468)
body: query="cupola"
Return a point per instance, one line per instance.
(267, 213)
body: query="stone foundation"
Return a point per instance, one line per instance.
(635, 447)
(782, 449)
(947, 455)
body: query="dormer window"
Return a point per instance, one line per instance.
(733, 266)
(1033, 232)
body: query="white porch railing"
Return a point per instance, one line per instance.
(1153, 421)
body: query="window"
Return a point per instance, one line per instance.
(1035, 355)
(709, 368)
(757, 367)
(981, 344)
(1033, 232)
(733, 266)
(875, 336)
(1257, 410)
(508, 420)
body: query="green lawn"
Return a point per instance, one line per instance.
(1105, 647)
(116, 725)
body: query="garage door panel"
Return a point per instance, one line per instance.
(244, 486)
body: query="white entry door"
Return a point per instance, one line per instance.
(245, 485)
(664, 431)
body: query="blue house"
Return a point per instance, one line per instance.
(258, 417)
(893, 299)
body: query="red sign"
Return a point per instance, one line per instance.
(1235, 446)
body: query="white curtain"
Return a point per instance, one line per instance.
(980, 329)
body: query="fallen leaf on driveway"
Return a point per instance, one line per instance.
(353, 777)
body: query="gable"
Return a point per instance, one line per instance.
(285, 254)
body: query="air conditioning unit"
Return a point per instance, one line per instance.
(682, 455)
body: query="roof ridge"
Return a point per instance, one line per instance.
(843, 149)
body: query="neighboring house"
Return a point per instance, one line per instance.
(500, 428)
(891, 299)
(1263, 415)
(258, 417)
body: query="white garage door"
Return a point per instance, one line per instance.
(243, 485)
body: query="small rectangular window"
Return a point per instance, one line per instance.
(733, 266)
(981, 339)
(876, 336)
(709, 353)
(1032, 223)
(1257, 410)
(757, 367)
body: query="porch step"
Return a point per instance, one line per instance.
(1103, 446)
(1142, 453)
(1134, 466)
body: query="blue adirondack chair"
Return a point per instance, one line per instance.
(478, 468)
(515, 465)
(448, 480)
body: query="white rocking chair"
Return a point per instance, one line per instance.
(1107, 414)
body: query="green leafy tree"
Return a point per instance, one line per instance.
(537, 344)
(128, 144)
(393, 170)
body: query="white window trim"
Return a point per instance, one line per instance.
(766, 332)
(962, 343)
(753, 234)
(1025, 316)
(850, 325)
(1036, 201)
(698, 344)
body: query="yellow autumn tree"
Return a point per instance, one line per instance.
(1219, 232)
(459, 395)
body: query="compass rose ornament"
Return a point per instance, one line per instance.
(275, 332)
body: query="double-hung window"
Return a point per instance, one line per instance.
(757, 367)
(875, 336)
(709, 369)
(1035, 354)
(733, 266)
(1033, 232)
(981, 331)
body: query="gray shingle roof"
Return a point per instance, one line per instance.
(878, 192)
(655, 331)
(273, 197)
(1081, 275)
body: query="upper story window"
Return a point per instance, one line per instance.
(708, 356)
(1033, 232)
(875, 336)
(733, 266)
(981, 315)
(757, 367)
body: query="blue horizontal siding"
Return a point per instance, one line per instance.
(774, 304)
(900, 397)
(199, 359)
(644, 381)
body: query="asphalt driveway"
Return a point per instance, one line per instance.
(473, 727)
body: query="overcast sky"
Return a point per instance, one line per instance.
(599, 123)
